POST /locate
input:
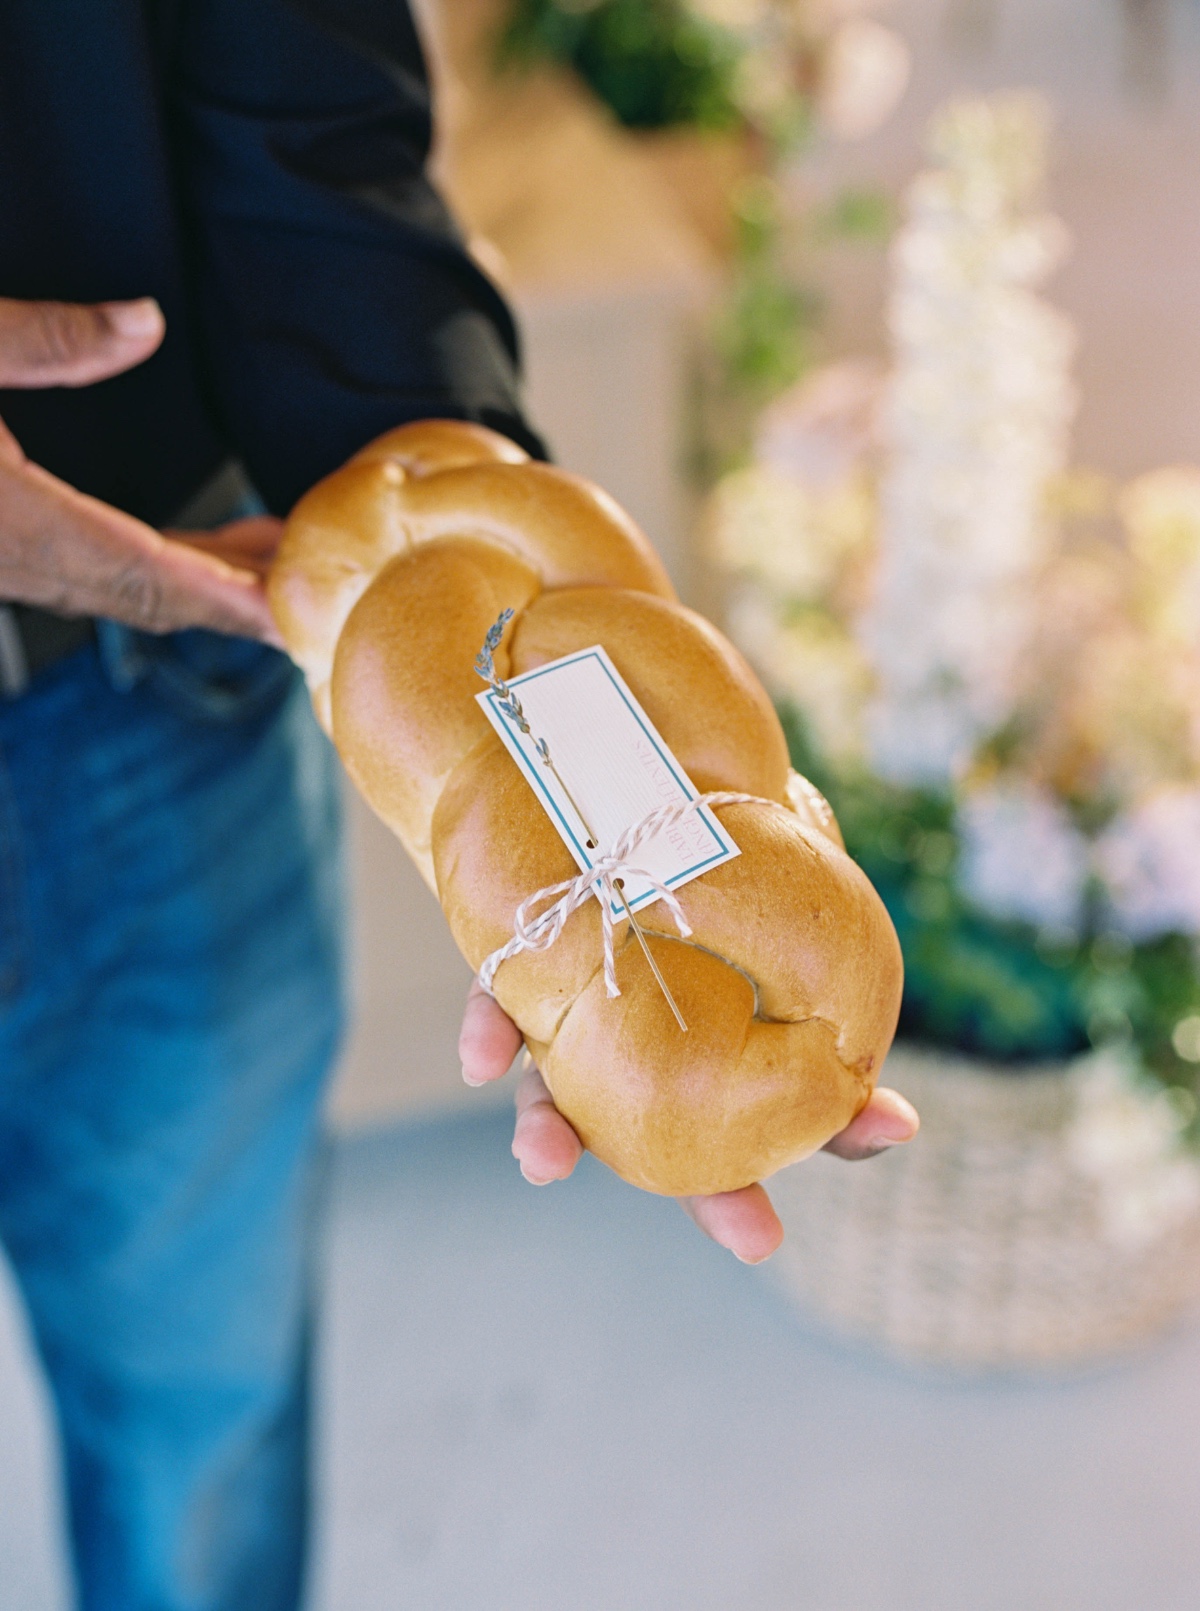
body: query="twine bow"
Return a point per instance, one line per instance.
(536, 926)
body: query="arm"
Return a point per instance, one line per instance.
(334, 296)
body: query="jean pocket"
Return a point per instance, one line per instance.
(202, 676)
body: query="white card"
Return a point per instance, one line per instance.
(615, 766)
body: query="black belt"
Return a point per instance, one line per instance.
(32, 640)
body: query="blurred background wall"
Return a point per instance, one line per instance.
(1123, 81)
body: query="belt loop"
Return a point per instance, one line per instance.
(14, 667)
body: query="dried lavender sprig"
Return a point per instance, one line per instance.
(508, 702)
(483, 660)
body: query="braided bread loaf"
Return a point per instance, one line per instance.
(390, 574)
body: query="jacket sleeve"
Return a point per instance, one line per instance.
(333, 294)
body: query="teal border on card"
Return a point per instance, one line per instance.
(492, 699)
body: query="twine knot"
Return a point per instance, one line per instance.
(537, 926)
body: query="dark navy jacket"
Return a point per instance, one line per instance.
(258, 166)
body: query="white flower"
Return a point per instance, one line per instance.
(1021, 855)
(976, 425)
(1129, 1141)
(812, 662)
(864, 73)
(821, 430)
(1149, 860)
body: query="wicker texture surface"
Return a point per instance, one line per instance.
(993, 1240)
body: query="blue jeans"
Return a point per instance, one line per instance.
(169, 1008)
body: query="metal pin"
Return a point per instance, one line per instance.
(593, 843)
(654, 967)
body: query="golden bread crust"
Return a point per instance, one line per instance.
(671, 658)
(390, 574)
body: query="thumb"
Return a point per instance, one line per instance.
(74, 343)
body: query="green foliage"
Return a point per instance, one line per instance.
(766, 333)
(658, 64)
(763, 334)
(856, 214)
(1001, 990)
(654, 63)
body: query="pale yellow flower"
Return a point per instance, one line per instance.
(813, 662)
(795, 538)
(1161, 513)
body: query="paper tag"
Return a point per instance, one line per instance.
(615, 767)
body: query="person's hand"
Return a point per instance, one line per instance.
(67, 552)
(547, 1148)
(248, 545)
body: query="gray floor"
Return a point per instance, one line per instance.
(567, 1401)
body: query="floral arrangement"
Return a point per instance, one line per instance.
(750, 87)
(989, 661)
(767, 66)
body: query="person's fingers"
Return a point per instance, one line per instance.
(187, 587)
(73, 343)
(72, 553)
(488, 1040)
(743, 1221)
(886, 1121)
(248, 544)
(544, 1144)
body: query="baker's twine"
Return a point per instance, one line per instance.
(535, 930)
